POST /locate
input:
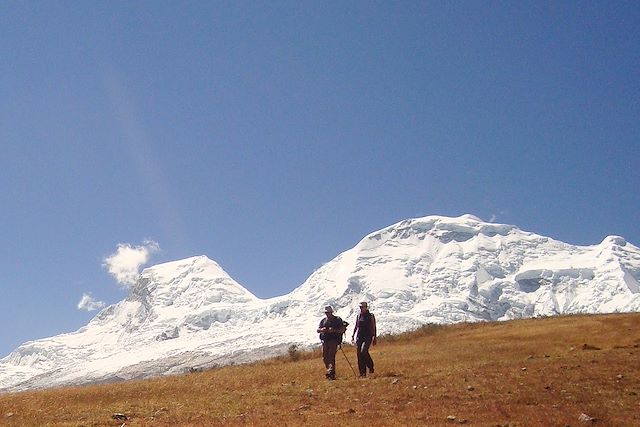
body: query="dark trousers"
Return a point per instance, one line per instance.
(329, 350)
(364, 358)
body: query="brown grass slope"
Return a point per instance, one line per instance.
(539, 372)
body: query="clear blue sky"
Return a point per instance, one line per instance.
(271, 136)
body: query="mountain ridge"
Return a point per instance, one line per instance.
(191, 313)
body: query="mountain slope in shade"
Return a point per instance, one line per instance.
(190, 313)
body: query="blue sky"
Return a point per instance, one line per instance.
(271, 136)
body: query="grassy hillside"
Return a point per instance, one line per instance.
(541, 372)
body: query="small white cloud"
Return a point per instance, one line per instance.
(493, 218)
(124, 265)
(89, 303)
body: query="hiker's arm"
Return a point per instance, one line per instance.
(355, 328)
(321, 328)
(373, 328)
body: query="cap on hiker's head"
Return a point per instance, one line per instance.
(328, 309)
(363, 304)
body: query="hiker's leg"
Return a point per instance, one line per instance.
(332, 347)
(326, 359)
(366, 356)
(362, 365)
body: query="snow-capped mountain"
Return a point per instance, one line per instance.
(190, 314)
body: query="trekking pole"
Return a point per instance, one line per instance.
(347, 359)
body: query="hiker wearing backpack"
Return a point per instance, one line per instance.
(365, 328)
(330, 329)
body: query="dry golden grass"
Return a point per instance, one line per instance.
(521, 373)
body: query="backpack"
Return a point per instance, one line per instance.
(338, 338)
(345, 324)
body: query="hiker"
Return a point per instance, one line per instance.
(330, 329)
(365, 328)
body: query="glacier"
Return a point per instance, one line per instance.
(190, 314)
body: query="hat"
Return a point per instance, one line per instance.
(363, 304)
(328, 309)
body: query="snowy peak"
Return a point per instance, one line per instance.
(172, 298)
(188, 282)
(439, 269)
(443, 229)
(401, 258)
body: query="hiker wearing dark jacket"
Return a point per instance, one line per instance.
(330, 329)
(365, 329)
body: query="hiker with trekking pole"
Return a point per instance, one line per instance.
(330, 329)
(365, 328)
